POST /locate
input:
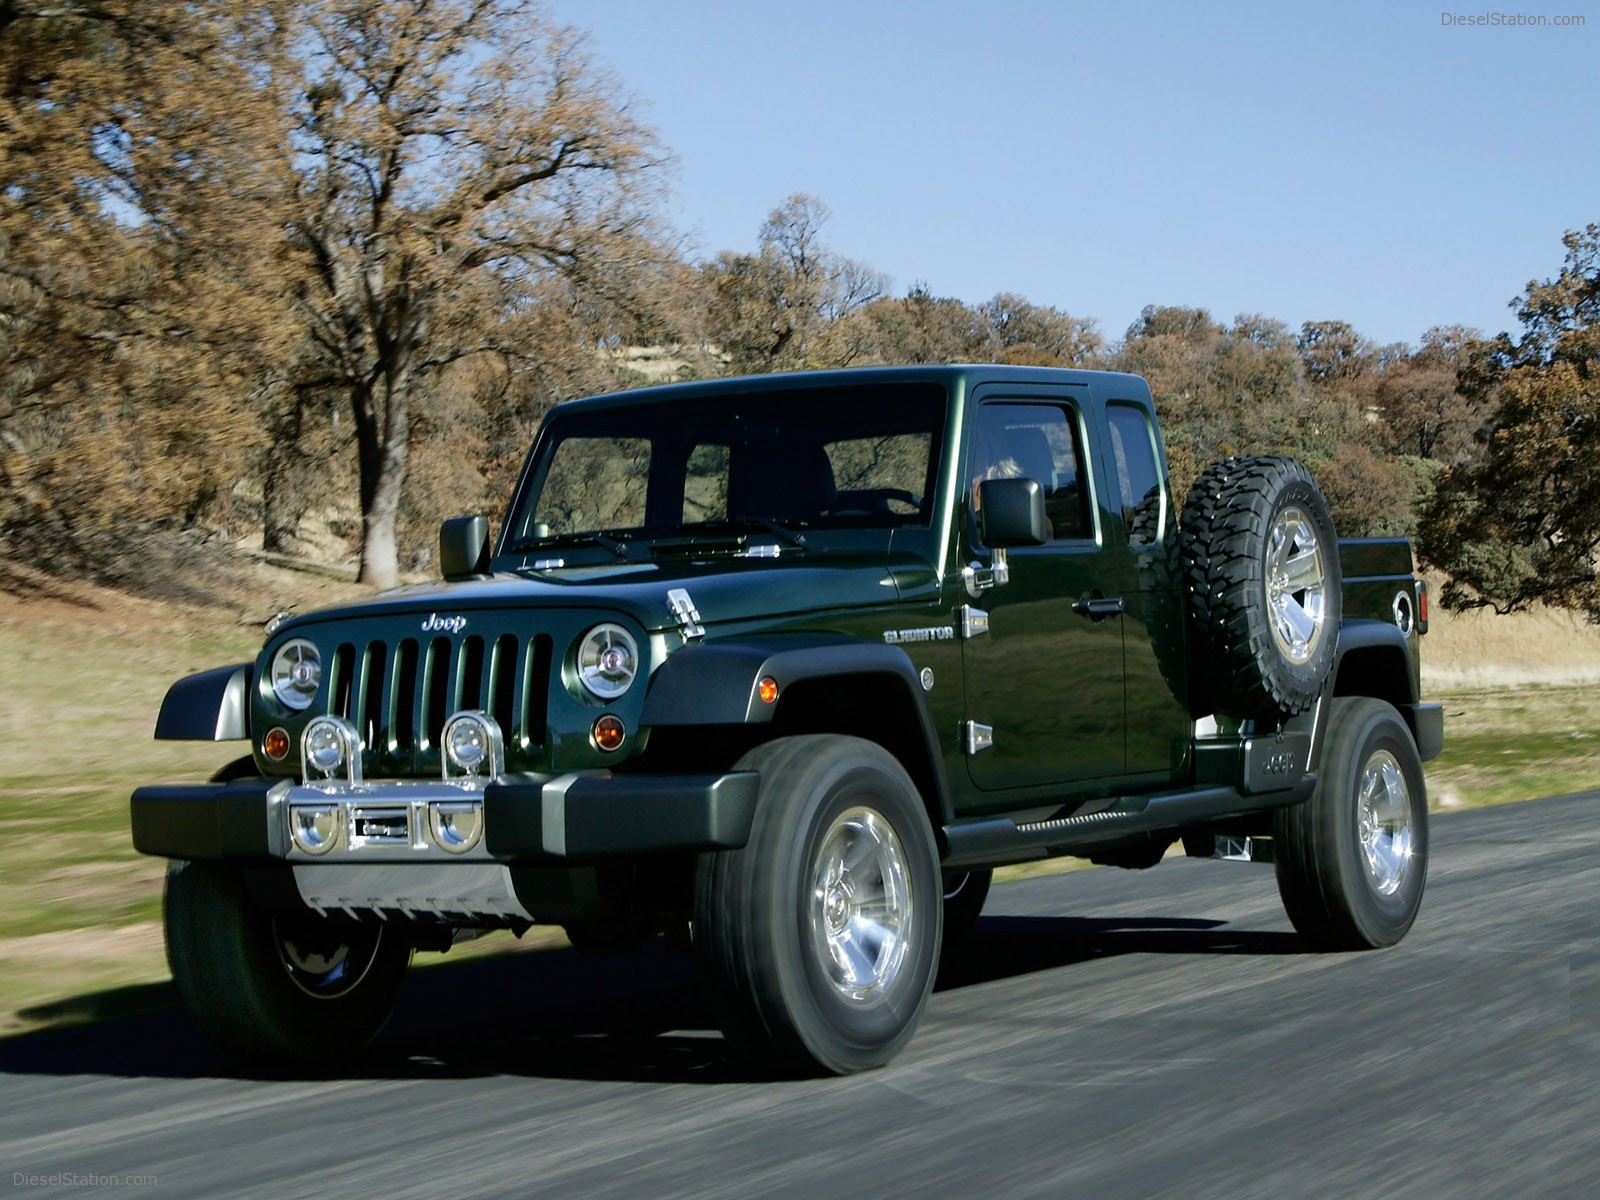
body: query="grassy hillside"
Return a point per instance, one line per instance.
(84, 670)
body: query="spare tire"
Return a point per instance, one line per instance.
(1261, 576)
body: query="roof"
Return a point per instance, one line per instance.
(943, 374)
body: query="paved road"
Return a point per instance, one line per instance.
(1104, 1034)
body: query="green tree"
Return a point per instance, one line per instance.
(1522, 525)
(1428, 409)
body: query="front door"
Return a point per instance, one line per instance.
(1044, 685)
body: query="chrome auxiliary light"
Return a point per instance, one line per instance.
(328, 744)
(338, 815)
(473, 746)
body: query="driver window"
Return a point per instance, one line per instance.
(1038, 442)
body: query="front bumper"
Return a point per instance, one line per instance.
(547, 848)
(579, 817)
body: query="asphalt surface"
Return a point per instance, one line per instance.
(1103, 1034)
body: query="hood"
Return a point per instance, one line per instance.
(723, 589)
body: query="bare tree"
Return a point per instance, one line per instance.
(138, 310)
(450, 153)
(789, 304)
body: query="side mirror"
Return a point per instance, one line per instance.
(1011, 513)
(464, 547)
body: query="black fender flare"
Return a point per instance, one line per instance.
(718, 683)
(1382, 654)
(213, 706)
(1377, 659)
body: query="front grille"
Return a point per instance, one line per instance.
(399, 695)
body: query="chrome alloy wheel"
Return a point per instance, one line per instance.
(323, 963)
(861, 909)
(1383, 823)
(1296, 585)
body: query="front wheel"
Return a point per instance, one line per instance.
(1351, 861)
(820, 936)
(265, 986)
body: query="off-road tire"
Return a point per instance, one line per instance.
(1352, 861)
(774, 921)
(1261, 568)
(243, 974)
(1158, 606)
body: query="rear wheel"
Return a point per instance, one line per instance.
(265, 986)
(819, 937)
(1351, 861)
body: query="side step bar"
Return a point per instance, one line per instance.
(995, 841)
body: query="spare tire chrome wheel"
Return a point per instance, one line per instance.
(1297, 581)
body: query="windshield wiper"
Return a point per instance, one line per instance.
(792, 536)
(620, 548)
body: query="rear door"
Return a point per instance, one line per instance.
(1142, 567)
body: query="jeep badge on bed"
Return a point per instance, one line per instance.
(785, 667)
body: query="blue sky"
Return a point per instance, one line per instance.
(1305, 160)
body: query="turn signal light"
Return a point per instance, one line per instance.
(276, 743)
(608, 733)
(767, 689)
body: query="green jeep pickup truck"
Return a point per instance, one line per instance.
(784, 667)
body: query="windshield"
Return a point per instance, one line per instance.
(760, 463)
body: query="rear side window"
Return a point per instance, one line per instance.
(1140, 488)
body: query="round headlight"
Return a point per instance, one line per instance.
(296, 673)
(608, 660)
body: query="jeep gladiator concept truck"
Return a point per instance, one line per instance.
(784, 667)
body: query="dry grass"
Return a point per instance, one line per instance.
(1480, 650)
(84, 670)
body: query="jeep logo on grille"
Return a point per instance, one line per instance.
(436, 623)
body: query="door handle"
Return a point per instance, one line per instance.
(1098, 608)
